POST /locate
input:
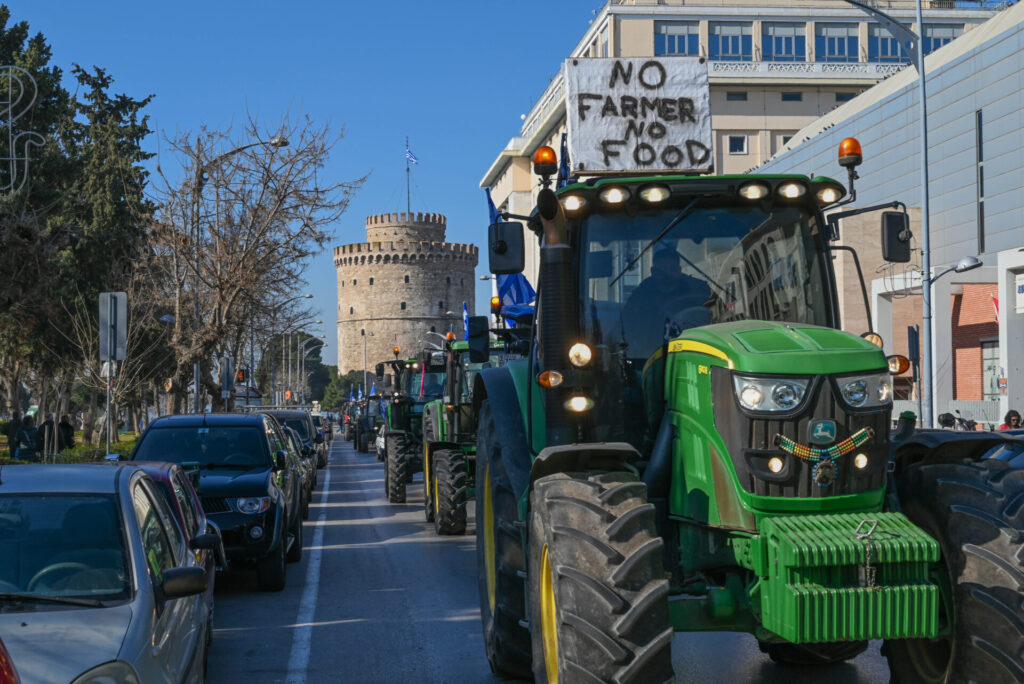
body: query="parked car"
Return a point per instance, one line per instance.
(98, 583)
(323, 424)
(8, 673)
(250, 484)
(307, 461)
(181, 497)
(302, 423)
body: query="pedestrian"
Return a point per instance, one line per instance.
(11, 432)
(47, 437)
(65, 433)
(27, 437)
(1011, 421)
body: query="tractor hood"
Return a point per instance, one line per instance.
(784, 348)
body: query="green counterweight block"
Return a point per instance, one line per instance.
(847, 577)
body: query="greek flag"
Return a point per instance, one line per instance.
(360, 393)
(351, 397)
(410, 156)
(465, 321)
(373, 389)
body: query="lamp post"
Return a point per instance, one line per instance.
(365, 335)
(302, 367)
(197, 193)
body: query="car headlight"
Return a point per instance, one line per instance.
(865, 391)
(770, 394)
(252, 504)
(114, 672)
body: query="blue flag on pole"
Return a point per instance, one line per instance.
(410, 156)
(373, 389)
(351, 397)
(360, 393)
(465, 321)
(513, 288)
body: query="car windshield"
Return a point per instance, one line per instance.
(641, 284)
(60, 545)
(235, 445)
(299, 425)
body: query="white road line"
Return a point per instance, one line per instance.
(298, 659)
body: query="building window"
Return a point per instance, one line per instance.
(786, 139)
(792, 97)
(736, 96)
(979, 154)
(882, 47)
(448, 280)
(676, 38)
(407, 279)
(737, 144)
(937, 35)
(603, 43)
(783, 42)
(433, 328)
(730, 41)
(403, 306)
(990, 370)
(835, 43)
(845, 97)
(351, 310)
(371, 281)
(440, 305)
(354, 282)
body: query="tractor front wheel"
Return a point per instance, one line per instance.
(397, 465)
(449, 485)
(428, 485)
(976, 512)
(598, 592)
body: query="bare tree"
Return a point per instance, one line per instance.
(238, 226)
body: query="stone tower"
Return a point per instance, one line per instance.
(399, 285)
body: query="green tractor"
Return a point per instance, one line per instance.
(694, 445)
(417, 382)
(367, 422)
(449, 432)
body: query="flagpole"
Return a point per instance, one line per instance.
(408, 203)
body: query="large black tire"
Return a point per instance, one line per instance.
(270, 570)
(364, 441)
(295, 551)
(449, 491)
(397, 466)
(428, 485)
(976, 512)
(499, 559)
(814, 654)
(357, 438)
(598, 592)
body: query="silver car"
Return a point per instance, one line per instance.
(97, 583)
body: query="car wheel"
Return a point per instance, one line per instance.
(295, 552)
(270, 570)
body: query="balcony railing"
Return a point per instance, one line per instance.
(809, 70)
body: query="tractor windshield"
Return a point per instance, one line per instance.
(470, 370)
(428, 385)
(648, 277)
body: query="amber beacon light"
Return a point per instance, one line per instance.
(495, 305)
(849, 152)
(545, 162)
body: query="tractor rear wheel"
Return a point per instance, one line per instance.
(976, 512)
(449, 484)
(428, 484)
(814, 654)
(397, 464)
(499, 558)
(598, 592)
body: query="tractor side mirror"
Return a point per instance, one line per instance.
(895, 237)
(479, 339)
(505, 246)
(379, 371)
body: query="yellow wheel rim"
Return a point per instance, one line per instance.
(437, 506)
(489, 562)
(426, 472)
(548, 619)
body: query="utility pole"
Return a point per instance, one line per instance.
(408, 202)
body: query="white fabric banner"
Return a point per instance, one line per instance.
(645, 115)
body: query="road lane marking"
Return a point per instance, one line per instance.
(298, 659)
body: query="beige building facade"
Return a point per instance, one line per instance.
(773, 69)
(399, 286)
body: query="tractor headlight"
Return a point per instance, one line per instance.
(770, 394)
(580, 355)
(865, 391)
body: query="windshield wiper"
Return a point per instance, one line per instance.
(671, 224)
(11, 597)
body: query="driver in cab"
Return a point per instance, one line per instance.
(664, 304)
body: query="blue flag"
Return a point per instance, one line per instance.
(513, 288)
(465, 321)
(410, 156)
(360, 393)
(351, 397)
(373, 389)
(491, 209)
(564, 174)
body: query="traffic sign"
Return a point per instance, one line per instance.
(113, 326)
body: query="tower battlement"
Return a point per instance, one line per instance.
(408, 225)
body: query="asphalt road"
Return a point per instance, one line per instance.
(377, 597)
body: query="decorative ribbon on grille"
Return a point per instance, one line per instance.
(813, 454)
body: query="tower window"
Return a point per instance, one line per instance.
(407, 279)
(448, 280)
(440, 305)
(355, 282)
(371, 281)
(403, 306)
(351, 310)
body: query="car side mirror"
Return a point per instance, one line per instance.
(207, 540)
(506, 252)
(280, 460)
(895, 237)
(479, 339)
(187, 581)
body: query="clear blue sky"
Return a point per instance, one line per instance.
(452, 75)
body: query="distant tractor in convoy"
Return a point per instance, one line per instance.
(693, 444)
(417, 382)
(449, 431)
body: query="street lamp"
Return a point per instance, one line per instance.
(365, 335)
(197, 192)
(252, 337)
(968, 263)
